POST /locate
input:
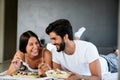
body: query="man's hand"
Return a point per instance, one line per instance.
(74, 76)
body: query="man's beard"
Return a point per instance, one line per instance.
(62, 47)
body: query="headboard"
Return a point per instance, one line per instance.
(105, 50)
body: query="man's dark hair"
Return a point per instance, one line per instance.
(24, 40)
(61, 27)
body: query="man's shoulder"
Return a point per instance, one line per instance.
(83, 43)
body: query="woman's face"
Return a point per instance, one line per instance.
(32, 47)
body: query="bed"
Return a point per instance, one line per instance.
(106, 76)
(110, 76)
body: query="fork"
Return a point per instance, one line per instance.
(22, 66)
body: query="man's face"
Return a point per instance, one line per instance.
(57, 41)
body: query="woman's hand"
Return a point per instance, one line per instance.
(16, 62)
(42, 68)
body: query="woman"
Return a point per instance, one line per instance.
(37, 58)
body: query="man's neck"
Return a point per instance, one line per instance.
(70, 47)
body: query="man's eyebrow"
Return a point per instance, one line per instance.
(52, 38)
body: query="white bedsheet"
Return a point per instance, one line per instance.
(3, 76)
(23, 78)
(110, 76)
(106, 76)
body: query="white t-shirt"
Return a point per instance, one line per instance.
(104, 66)
(85, 53)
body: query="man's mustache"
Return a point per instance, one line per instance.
(56, 44)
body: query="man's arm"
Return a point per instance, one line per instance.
(95, 72)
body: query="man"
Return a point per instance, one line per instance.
(77, 56)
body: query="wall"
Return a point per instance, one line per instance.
(119, 36)
(1, 29)
(98, 16)
(8, 29)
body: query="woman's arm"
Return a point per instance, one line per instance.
(48, 57)
(56, 66)
(47, 64)
(15, 63)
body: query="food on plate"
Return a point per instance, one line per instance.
(25, 74)
(58, 74)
